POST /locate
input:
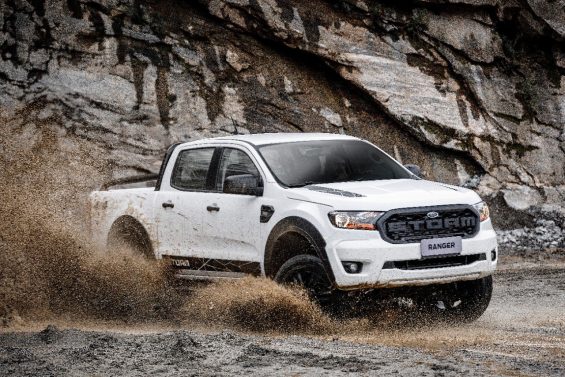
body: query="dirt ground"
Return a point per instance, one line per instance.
(522, 333)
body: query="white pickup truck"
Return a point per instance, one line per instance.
(331, 212)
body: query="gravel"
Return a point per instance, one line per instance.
(544, 234)
(522, 333)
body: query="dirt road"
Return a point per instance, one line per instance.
(522, 333)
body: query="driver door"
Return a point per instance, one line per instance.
(233, 230)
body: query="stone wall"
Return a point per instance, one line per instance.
(471, 90)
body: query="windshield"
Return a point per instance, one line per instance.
(310, 162)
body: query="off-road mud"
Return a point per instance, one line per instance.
(69, 309)
(522, 333)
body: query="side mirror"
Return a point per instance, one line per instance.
(243, 184)
(414, 169)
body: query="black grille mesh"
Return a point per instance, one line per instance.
(397, 226)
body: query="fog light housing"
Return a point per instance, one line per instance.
(352, 267)
(493, 255)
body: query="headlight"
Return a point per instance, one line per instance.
(482, 208)
(355, 220)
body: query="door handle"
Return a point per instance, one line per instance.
(213, 208)
(168, 204)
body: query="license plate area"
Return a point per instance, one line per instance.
(434, 247)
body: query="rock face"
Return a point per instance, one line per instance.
(472, 90)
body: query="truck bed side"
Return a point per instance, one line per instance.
(108, 206)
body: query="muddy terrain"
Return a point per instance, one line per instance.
(522, 333)
(69, 309)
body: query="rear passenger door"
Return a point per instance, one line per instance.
(179, 205)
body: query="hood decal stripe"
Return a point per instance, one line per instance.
(328, 190)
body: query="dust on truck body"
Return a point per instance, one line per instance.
(330, 212)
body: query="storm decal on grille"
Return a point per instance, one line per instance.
(414, 224)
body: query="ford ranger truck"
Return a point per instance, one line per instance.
(332, 213)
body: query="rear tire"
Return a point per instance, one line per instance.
(308, 272)
(128, 235)
(461, 302)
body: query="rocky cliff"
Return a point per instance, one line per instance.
(471, 90)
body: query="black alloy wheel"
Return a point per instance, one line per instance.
(308, 272)
(461, 302)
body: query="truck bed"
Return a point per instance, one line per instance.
(110, 204)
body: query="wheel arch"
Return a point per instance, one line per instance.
(300, 229)
(130, 229)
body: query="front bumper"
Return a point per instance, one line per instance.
(368, 248)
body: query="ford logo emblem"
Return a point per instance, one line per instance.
(432, 215)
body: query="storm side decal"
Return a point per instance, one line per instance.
(207, 264)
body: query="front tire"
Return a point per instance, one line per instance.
(308, 272)
(461, 302)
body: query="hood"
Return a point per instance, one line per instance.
(384, 195)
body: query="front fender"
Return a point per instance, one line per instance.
(307, 220)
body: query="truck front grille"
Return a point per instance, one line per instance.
(415, 224)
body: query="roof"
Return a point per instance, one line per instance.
(273, 138)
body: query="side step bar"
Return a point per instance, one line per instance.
(207, 275)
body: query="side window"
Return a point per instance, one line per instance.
(191, 169)
(234, 162)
